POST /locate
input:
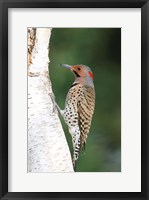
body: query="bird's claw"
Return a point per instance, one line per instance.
(54, 109)
(54, 103)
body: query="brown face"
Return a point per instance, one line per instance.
(78, 70)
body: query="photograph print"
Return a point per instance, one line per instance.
(74, 100)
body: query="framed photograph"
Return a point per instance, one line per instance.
(74, 99)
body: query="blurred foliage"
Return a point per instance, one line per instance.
(99, 48)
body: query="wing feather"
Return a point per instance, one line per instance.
(85, 107)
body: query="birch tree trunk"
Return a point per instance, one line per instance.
(48, 150)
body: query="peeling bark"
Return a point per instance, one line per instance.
(48, 150)
(31, 43)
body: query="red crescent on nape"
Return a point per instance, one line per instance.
(91, 74)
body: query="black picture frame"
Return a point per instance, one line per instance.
(4, 6)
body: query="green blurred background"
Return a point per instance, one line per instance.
(99, 48)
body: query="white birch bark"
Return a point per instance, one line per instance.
(48, 150)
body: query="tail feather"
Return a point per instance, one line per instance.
(74, 166)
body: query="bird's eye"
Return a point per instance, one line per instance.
(79, 68)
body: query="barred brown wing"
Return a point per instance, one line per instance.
(85, 108)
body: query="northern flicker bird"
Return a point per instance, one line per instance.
(79, 107)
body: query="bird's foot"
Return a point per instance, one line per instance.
(54, 103)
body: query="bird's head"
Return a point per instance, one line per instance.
(83, 74)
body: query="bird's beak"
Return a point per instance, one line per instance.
(66, 66)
